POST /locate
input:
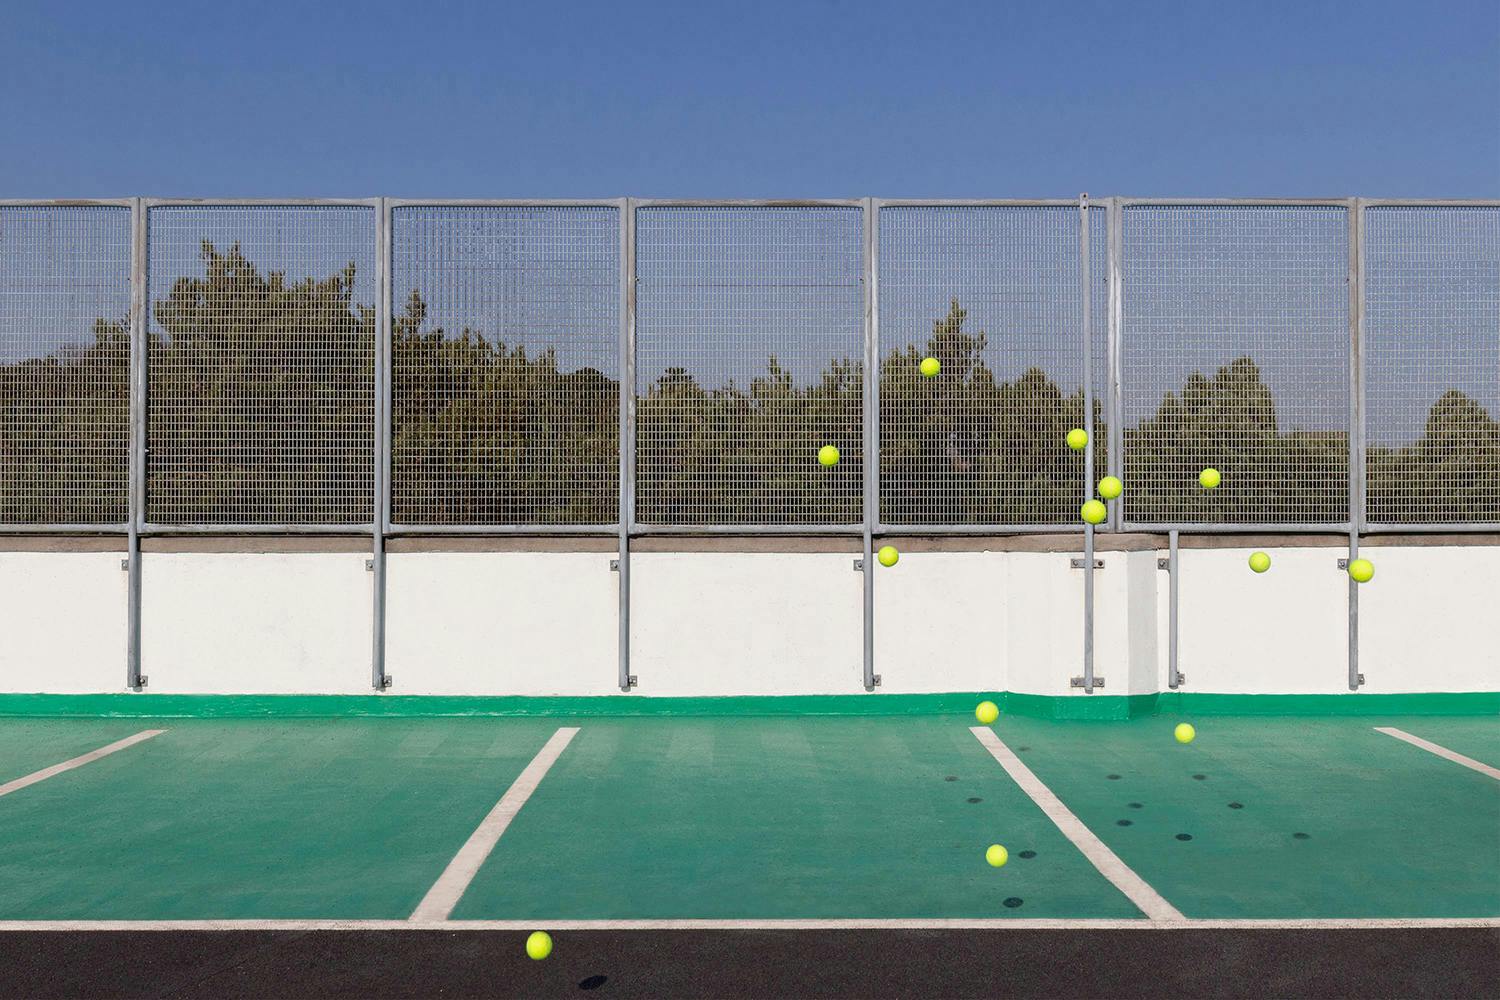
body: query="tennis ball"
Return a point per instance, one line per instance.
(888, 555)
(996, 855)
(1361, 569)
(1209, 478)
(539, 945)
(987, 712)
(1110, 487)
(929, 367)
(828, 455)
(1078, 438)
(1093, 512)
(1184, 733)
(1260, 562)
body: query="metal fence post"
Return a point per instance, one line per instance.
(626, 513)
(1356, 424)
(1174, 674)
(871, 418)
(1087, 681)
(1116, 317)
(137, 499)
(381, 515)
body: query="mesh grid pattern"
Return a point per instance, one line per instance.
(64, 364)
(992, 292)
(1432, 364)
(261, 364)
(505, 365)
(1234, 354)
(749, 358)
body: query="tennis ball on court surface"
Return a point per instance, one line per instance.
(539, 945)
(987, 712)
(1078, 438)
(929, 367)
(1361, 570)
(1260, 562)
(1093, 512)
(1184, 733)
(888, 555)
(1209, 478)
(996, 855)
(1110, 487)
(828, 455)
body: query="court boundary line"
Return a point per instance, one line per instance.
(772, 924)
(450, 887)
(1440, 751)
(1136, 889)
(76, 762)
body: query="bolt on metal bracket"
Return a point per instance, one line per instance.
(1164, 564)
(859, 565)
(1079, 564)
(614, 565)
(1078, 682)
(140, 681)
(1343, 564)
(633, 680)
(125, 565)
(387, 680)
(369, 565)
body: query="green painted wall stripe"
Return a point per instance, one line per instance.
(1078, 706)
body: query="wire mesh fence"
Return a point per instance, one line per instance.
(64, 364)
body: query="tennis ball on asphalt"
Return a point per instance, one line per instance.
(539, 945)
(987, 712)
(1361, 570)
(1184, 733)
(888, 555)
(828, 455)
(1260, 562)
(929, 367)
(1209, 478)
(1078, 438)
(996, 855)
(1110, 487)
(1093, 511)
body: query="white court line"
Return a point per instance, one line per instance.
(784, 924)
(68, 765)
(1147, 899)
(1457, 758)
(451, 885)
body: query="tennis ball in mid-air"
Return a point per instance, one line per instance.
(1260, 562)
(1078, 438)
(1361, 569)
(996, 855)
(1093, 511)
(987, 712)
(1209, 478)
(929, 367)
(828, 455)
(1184, 733)
(539, 945)
(888, 555)
(1110, 487)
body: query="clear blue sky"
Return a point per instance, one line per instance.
(750, 99)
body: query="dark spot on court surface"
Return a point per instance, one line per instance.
(1133, 805)
(1013, 902)
(1027, 854)
(1302, 836)
(951, 777)
(1023, 748)
(1184, 836)
(1200, 777)
(593, 982)
(1236, 805)
(1113, 777)
(1122, 822)
(976, 800)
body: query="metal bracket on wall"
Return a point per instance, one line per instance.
(369, 565)
(1078, 682)
(1164, 564)
(1079, 564)
(385, 681)
(859, 565)
(1344, 565)
(125, 565)
(633, 680)
(877, 680)
(614, 565)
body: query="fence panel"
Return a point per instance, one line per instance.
(505, 364)
(1432, 364)
(64, 364)
(260, 364)
(749, 347)
(1235, 354)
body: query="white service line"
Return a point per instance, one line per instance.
(88, 758)
(1109, 864)
(451, 885)
(1457, 758)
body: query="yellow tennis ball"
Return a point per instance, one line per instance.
(1110, 487)
(1184, 733)
(1260, 562)
(929, 367)
(987, 712)
(996, 855)
(828, 455)
(539, 945)
(888, 555)
(1361, 569)
(1093, 512)
(1209, 478)
(1078, 439)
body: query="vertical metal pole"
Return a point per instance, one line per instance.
(1088, 451)
(137, 486)
(1174, 676)
(871, 421)
(381, 515)
(626, 512)
(1356, 423)
(1116, 318)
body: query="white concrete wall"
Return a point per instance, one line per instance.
(941, 622)
(62, 622)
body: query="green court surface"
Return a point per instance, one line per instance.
(747, 818)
